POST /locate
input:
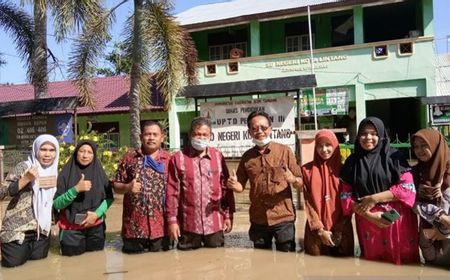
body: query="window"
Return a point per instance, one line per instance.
(298, 43)
(233, 67)
(111, 132)
(405, 49)
(210, 70)
(380, 51)
(220, 52)
(342, 27)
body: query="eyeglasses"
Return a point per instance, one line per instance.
(257, 128)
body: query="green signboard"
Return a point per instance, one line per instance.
(330, 101)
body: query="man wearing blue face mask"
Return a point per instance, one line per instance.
(271, 168)
(199, 207)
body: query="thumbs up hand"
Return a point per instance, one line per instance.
(134, 186)
(83, 185)
(233, 182)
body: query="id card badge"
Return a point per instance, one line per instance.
(47, 182)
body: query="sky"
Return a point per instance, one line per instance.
(15, 72)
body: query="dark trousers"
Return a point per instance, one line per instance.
(283, 233)
(77, 242)
(15, 254)
(190, 241)
(141, 245)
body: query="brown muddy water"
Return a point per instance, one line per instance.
(238, 260)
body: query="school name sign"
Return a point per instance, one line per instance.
(229, 123)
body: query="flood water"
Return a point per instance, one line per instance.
(238, 260)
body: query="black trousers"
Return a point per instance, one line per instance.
(190, 241)
(77, 242)
(141, 245)
(15, 254)
(283, 233)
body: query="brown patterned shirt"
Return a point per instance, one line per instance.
(270, 193)
(19, 216)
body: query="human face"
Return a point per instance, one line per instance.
(259, 128)
(324, 148)
(152, 137)
(85, 155)
(201, 132)
(46, 154)
(368, 137)
(421, 149)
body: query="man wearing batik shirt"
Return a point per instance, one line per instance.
(142, 178)
(199, 207)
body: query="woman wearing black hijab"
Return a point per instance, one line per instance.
(83, 196)
(378, 184)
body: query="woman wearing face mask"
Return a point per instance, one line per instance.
(31, 186)
(432, 180)
(199, 208)
(83, 196)
(327, 230)
(378, 186)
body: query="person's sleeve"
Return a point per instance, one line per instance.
(65, 199)
(405, 191)
(241, 173)
(228, 204)
(312, 217)
(10, 186)
(293, 165)
(173, 193)
(346, 196)
(104, 206)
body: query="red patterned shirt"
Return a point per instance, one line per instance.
(143, 213)
(197, 196)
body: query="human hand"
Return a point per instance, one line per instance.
(31, 174)
(325, 237)
(83, 185)
(174, 232)
(134, 186)
(290, 178)
(233, 183)
(228, 225)
(366, 204)
(377, 219)
(91, 218)
(445, 220)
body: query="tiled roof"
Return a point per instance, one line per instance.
(241, 8)
(111, 94)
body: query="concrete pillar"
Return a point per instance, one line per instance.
(174, 128)
(360, 101)
(255, 42)
(427, 17)
(358, 25)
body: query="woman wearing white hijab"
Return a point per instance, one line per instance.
(31, 185)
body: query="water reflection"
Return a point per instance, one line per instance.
(238, 260)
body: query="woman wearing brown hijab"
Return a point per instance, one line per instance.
(432, 179)
(327, 230)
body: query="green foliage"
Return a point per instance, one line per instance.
(108, 157)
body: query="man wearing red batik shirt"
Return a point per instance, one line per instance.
(199, 207)
(142, 178)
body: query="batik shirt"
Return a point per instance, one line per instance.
(197, 196)
(143, 213)
(19, 216)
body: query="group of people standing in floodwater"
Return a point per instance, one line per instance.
(188, 196)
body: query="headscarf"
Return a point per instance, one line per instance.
(43, 197)
(431, 173)
(373, 171)
(323, 181)
(70, 175)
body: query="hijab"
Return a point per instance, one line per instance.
(431, 173)
(70, 175)
(323, 180)
(373, 171)
(43, 197)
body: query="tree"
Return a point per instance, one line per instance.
(120, 63)
(68, 16)
(155, 44)
(20, 25)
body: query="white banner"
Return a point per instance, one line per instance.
(229, 123)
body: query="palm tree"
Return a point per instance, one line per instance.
(155, 44)
(20, 25)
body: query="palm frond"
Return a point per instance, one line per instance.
(165, 40)
(71, 15)
(20, 25)
(88, 47)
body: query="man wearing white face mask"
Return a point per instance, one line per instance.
(271, 169)
(199, 207)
